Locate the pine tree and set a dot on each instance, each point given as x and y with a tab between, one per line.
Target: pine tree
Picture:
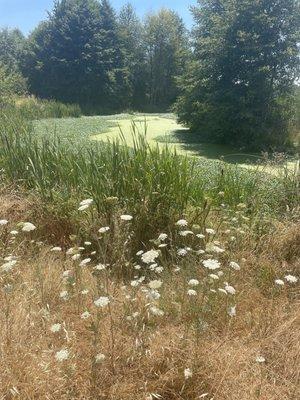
75	55
166	50
132	44
240	84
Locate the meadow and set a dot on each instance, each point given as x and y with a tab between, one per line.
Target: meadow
131	270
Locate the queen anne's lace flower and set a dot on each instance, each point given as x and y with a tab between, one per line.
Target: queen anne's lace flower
62	355
150	256
103	301
211	264
28	227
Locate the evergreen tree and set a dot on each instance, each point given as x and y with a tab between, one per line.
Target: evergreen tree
12	44
238	88
166	51
132	44
74	56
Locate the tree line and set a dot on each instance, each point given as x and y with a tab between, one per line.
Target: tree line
88	54
231	80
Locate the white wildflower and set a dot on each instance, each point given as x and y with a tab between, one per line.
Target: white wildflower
55	328
86	202
99	358
159	270
200	236
182	252
134	283
279	282
8	266
126	217
64	295
100	267
214	276
87	243
85	262
230	289
232	311
186	233
85	315
188	373
234	266
291	278
76	257
28	227
150	256
103	301
211	264
193	282
139	253
14	233
210	231
213	248
156	284
182	222
62	355
162	237
84	291
156	311
3	222
56	249
260	359
192	292
152	294
104	229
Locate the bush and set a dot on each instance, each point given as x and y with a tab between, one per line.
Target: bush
34	108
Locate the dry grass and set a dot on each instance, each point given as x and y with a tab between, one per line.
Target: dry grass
146	357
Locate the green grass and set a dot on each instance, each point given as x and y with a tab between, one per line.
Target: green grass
150	180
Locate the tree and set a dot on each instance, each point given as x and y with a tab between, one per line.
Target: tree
132	45
74	56
238	88
12	84
12	44
166	43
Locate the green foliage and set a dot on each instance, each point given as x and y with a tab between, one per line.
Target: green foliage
74	56
166	44
12	44
239	87
32	108
156	185
12	84
133	50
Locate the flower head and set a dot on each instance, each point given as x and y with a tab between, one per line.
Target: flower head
126	217
55	328
211	264
103	301
193	282
188	373
104	229
62	355
28	227
234	265
156	284
150	256
182	222
291	278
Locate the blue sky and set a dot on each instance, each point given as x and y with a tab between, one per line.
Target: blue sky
25	14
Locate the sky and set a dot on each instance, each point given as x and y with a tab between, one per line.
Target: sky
26	14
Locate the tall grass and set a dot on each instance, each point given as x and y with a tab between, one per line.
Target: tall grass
34	108
156	185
